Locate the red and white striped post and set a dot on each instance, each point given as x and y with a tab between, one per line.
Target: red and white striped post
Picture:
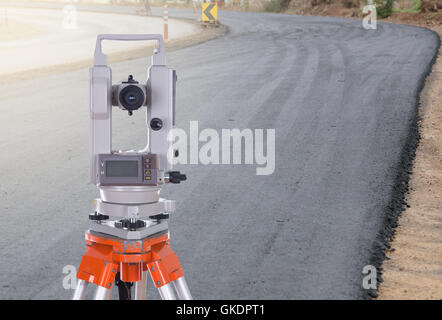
166	23
194	10
6	16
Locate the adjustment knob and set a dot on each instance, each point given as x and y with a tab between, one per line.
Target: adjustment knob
98	216
156	124
176	177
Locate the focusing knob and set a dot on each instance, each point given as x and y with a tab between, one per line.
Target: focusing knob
156	124
176	177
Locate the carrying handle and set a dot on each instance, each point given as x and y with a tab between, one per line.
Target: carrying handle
158	58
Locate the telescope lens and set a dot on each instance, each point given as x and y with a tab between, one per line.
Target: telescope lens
132	97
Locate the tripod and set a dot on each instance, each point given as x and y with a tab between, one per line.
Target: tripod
125	262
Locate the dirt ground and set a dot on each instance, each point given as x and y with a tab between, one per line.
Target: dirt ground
413	269
336	9
423	19
414	266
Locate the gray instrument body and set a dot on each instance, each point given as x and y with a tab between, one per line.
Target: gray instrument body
161	81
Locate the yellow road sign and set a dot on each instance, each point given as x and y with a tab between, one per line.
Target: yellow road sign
209	12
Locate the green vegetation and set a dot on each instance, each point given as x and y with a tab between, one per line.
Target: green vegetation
384	8
415	8
434	15
276	5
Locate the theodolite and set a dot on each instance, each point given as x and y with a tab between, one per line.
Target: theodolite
128	235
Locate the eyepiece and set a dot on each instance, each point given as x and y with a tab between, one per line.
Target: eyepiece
132	97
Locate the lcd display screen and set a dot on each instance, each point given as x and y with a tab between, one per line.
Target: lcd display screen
124	168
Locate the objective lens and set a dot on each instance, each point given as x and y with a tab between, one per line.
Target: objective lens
132	97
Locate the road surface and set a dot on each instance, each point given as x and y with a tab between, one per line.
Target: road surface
45	38
340	98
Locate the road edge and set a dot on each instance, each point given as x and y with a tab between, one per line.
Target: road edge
403	172
206	34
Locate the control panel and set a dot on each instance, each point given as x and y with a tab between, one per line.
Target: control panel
128	169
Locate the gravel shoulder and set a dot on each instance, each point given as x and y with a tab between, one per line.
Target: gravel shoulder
413	269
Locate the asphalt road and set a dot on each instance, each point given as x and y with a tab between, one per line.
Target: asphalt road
340	99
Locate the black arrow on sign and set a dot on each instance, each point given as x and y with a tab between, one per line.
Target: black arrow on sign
207	11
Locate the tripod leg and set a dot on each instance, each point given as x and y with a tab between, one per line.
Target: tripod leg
164	269
109	294
182	289
103	294
141	287
80	291
124	288
166	292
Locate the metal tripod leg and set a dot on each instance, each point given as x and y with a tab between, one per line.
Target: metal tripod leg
80	291
167	273
103	294
141	287
166	292
182	289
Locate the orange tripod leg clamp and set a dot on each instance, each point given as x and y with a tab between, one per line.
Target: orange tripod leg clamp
165	266
97	267
105	257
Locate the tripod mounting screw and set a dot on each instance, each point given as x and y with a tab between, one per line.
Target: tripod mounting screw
130	225
176	177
